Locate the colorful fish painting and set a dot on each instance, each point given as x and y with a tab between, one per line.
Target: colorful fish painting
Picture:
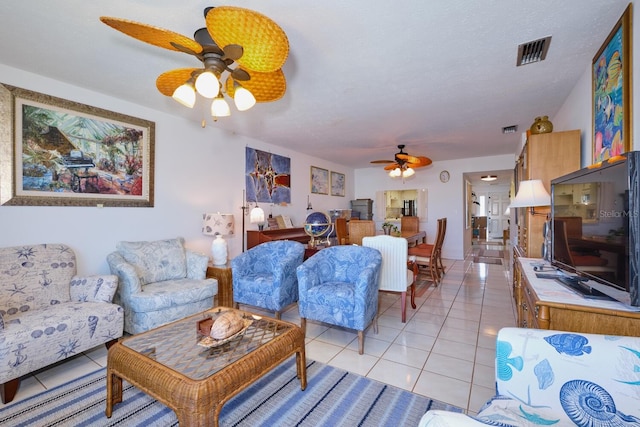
504	371
569	344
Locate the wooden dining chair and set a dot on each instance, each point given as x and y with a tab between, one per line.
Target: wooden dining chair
342	231
359	229
429	256
410	224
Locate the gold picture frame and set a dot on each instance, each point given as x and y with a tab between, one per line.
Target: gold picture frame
337	184
611	92
56	152
319	180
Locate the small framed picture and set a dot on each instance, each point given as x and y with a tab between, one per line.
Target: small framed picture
337	184
319	180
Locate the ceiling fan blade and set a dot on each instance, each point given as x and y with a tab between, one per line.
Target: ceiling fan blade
183	48
423	161
153	35
391	167
408	158
382	161
265	87
168	82
265	44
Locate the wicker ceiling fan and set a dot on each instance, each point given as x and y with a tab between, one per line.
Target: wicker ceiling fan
403	164
242	53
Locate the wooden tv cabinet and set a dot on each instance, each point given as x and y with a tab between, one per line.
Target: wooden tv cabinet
546	304
255	237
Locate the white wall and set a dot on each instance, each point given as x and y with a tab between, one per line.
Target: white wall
196	170
444	199
576	112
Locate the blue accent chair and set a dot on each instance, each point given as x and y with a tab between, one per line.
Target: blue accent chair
159	282
265	275
339	286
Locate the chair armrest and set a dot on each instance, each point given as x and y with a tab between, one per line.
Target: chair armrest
307	278
196	265
128	280
93	288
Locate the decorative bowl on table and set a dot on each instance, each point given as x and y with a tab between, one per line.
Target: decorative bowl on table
218	330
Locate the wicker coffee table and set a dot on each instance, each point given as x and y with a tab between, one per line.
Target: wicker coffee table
168	364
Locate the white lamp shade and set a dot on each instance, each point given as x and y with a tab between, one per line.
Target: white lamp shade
257	215
408	172
217	224
185	95
220	108
395	173
531	193
243	99
207	84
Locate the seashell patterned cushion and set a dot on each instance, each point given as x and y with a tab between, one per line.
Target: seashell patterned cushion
156	261
547	377
227	324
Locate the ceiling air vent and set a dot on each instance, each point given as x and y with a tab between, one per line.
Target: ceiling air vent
510	129
534	51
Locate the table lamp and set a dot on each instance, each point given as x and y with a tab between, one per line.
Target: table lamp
218	225
531	193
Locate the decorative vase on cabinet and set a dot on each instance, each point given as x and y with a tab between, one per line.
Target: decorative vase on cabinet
541	125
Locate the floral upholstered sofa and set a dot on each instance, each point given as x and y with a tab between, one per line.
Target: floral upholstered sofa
547	377
160	281
48	313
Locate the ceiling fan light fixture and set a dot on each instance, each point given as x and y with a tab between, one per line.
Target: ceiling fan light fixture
219	107
488	178
395	173
185	94
207	84
408	172
243	98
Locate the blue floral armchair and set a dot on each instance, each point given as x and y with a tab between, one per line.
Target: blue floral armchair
160	282
339	285
265	275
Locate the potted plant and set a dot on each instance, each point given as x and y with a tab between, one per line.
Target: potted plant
388	227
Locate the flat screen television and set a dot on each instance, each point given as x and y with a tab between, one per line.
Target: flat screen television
595	224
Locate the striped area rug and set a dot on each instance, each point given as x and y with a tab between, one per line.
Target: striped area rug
333	398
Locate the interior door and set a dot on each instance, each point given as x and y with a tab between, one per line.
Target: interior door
496	219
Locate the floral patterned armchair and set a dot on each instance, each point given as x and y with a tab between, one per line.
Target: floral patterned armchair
265	275
48	313
546	377
160	282
339	285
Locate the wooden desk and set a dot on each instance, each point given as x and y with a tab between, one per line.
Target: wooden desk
255	237
225	282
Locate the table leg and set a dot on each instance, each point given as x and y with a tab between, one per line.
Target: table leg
301	368
114	392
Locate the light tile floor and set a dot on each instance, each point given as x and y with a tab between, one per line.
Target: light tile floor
445	350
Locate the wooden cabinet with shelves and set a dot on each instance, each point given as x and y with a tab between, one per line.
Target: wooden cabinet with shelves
545	304
545	156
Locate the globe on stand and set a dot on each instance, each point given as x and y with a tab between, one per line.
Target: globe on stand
316	225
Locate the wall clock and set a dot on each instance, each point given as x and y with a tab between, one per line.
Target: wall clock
444	176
